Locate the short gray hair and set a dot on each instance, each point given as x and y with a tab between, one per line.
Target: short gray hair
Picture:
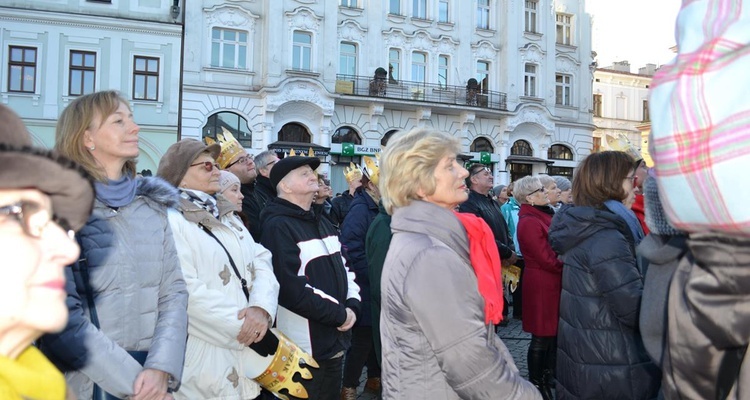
524	186
563	183
263	158
546	180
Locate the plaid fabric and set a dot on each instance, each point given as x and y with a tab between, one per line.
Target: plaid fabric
700	108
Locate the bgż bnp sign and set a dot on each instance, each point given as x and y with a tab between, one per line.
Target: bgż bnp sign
351	149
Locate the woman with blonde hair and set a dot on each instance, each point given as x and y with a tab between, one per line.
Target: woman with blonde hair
432	348
128	318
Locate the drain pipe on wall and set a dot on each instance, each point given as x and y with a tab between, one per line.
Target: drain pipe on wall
176	13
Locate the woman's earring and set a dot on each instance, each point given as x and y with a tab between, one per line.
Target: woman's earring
92	148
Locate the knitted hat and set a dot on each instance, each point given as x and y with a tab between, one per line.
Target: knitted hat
497	189
69	187
226	180
176	161
289	164
562	183
656	218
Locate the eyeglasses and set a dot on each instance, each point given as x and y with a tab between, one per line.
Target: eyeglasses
33	218
241	160
208	165
633	179
480	170
541	189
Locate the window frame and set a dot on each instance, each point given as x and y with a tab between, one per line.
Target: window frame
646	115
530	16
560	152
237	44
146	74
481	144
563	90
520	147
397	4
444	69
564	29
23	65
597	105
352	57
417	65
349	3
483	14
83	69
341	137
397	67
529	80
419	9
299	47
484	83
444	5
236	131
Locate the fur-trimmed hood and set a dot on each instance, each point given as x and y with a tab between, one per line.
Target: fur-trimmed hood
158	190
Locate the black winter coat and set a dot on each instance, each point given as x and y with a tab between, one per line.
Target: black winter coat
340	207
489	210
600	352
263	192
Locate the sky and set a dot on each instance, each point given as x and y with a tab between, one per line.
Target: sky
639	31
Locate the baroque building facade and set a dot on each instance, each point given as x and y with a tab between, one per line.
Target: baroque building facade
55	50
512	79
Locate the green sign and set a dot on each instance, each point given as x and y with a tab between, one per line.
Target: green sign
485	157
347	149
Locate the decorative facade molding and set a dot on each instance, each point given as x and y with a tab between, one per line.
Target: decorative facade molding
566	64
484	50
532	53
231	16
300	90
303	18
352	31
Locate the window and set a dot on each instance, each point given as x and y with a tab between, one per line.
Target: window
387	137
346	134
145	78
646	117
521	148
597	105
530	16
559	152
82	73
418	67
562	90
483	14
228	48
294	132
232	122
481	145
483	75
348	59
529	81
349	3
518	171
561	171
443	71
302	51
394	63
443	11
419	9
22	69
394	7
563	28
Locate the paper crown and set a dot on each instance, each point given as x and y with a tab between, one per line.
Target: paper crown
621	143
230	147
372	169
352	173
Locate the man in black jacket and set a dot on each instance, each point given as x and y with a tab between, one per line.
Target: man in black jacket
318	297
341	204
480	203
264	191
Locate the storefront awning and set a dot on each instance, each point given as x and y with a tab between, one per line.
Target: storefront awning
299	148
527	160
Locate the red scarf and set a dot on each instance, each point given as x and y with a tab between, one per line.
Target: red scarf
486	263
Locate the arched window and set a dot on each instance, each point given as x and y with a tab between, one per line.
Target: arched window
346	134
521	148
559	152
481	145
387	137
294	132
232	122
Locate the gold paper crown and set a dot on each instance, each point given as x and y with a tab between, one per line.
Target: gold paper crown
230	147
292	153
372	169
621	143
352	173
288	360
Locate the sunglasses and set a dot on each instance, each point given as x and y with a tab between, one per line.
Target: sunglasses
33	218
208	165
241	160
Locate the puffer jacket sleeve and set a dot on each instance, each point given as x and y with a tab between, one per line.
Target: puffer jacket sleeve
84	347
213	317
615	272
167	351
265	292
457	335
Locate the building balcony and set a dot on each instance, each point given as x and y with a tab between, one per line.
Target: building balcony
368	86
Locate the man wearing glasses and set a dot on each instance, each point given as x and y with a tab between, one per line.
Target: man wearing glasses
263	193
480	203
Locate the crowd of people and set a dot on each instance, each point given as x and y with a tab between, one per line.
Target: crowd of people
232	276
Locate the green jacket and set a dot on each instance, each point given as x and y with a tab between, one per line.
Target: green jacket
376	247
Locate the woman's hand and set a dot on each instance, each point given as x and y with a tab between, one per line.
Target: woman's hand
151	384
254	326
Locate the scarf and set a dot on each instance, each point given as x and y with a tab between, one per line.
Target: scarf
485	260
546	209
635	226
30	376
117	193
202	200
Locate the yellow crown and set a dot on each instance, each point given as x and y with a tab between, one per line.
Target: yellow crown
292	153
352	173
288	361
230	147
372	169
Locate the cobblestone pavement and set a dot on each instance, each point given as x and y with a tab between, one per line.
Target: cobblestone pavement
512	335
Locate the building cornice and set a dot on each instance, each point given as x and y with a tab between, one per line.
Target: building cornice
93	22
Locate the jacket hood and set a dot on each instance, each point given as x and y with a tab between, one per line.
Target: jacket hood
571	225
660	250
422	217
277	207
158	190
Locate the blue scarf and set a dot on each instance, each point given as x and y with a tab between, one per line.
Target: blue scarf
117	193
629	216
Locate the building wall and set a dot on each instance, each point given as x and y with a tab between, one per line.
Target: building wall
116	33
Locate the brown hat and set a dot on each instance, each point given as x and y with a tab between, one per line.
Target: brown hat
69	187
176	161
289	164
